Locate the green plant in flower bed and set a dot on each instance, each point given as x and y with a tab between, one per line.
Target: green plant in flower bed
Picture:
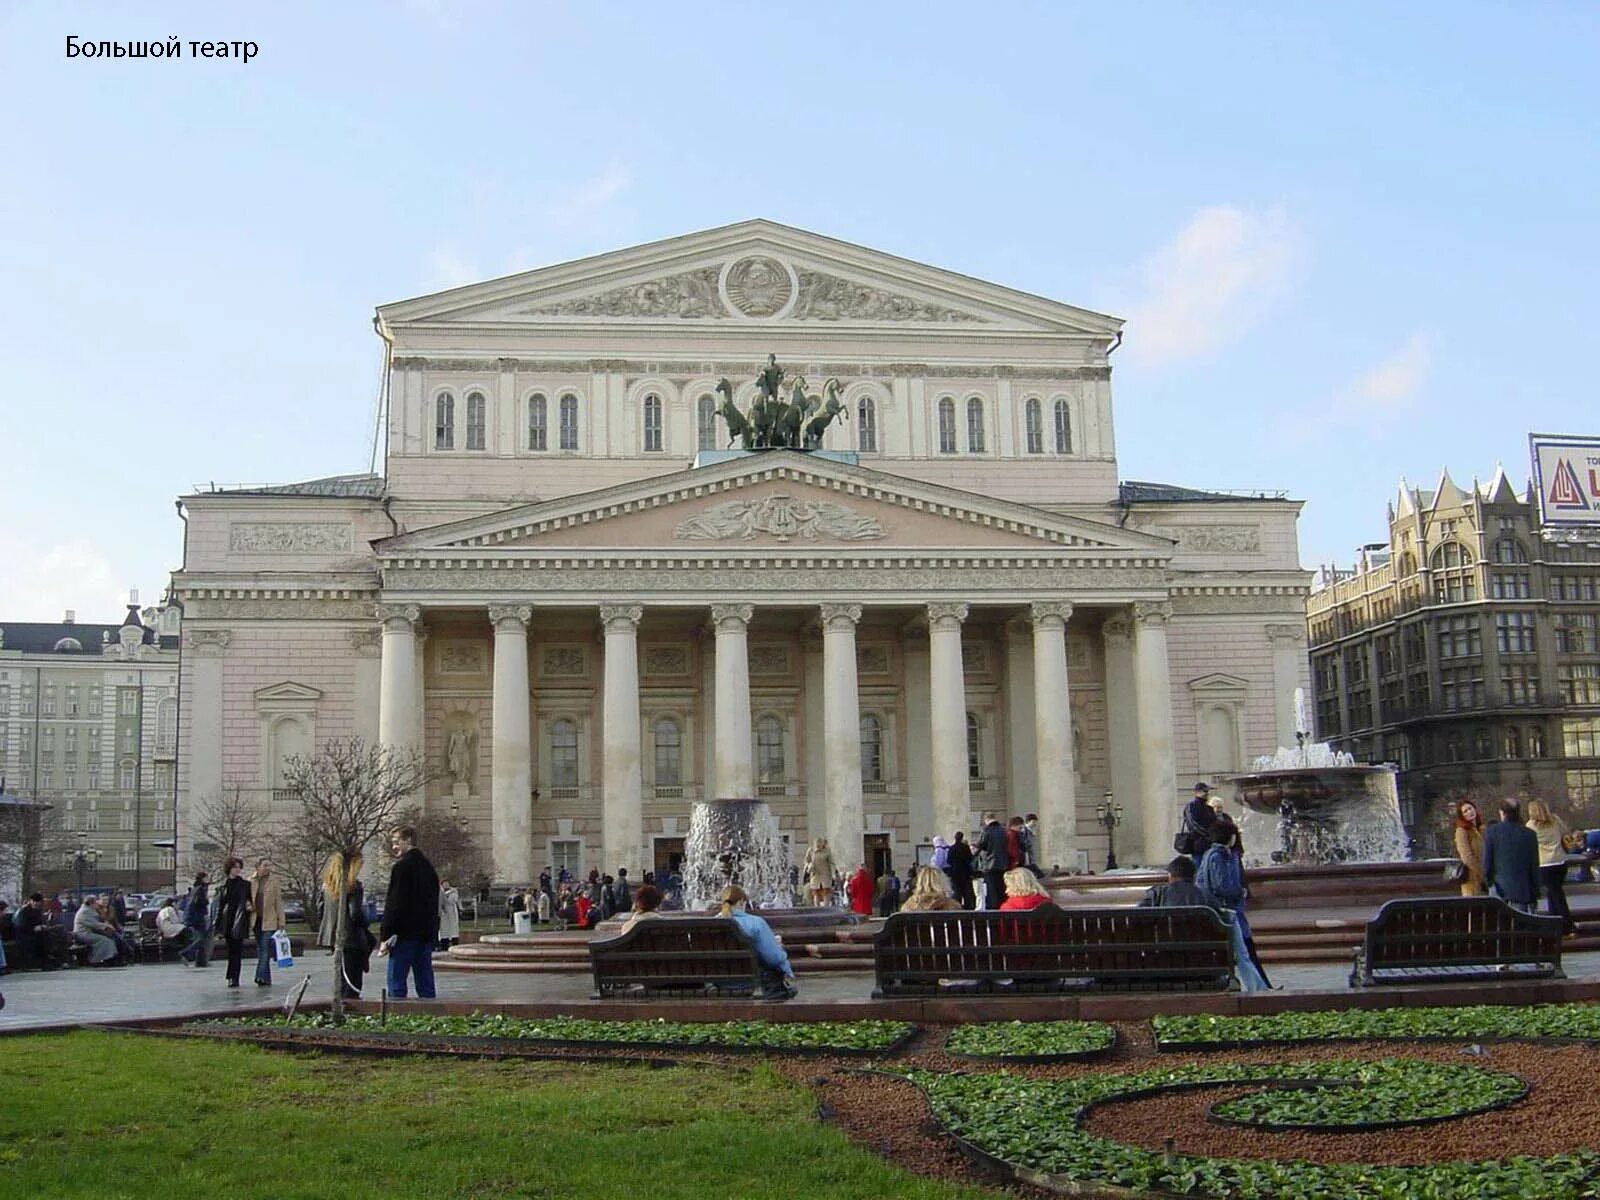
1036	1125
1028	1039
1392	1092
1581	1021
765	1035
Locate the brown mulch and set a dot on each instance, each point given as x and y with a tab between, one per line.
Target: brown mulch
890	1116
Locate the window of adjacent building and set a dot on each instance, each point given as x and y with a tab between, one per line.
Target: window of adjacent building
125	819
125	857
569	422
50	700
1388	656
947	425
1579	682
974	748
1511	585
706	419
1519	683
1459	637
1329	721
538	422
477	420
128	702
444	422
1580	737
652	422
1583	788
1407	564
125	777
91	821
1509	550
1535	741
1326	670
94	702
867	425
1453	578
1482	744
563	754
1577	633
1033	420
769	751
871	749
1355	666
566	854
974	426
94	777
1063	428
1574	587
129	740
72	700
1514	632
1461	688
94	742
47	740
669	753
167	724
69	777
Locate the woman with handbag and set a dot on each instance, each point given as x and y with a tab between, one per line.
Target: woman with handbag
1468	872
359	941
1551	831
233	915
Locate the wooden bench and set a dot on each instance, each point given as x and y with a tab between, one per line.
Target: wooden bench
680	956
1455	940
1049	949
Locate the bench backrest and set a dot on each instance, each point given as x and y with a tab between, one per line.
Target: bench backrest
1458	931
1107	944
664	951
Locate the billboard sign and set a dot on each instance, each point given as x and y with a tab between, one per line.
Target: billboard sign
1566	474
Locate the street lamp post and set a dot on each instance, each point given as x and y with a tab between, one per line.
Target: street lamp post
83	857
1109	814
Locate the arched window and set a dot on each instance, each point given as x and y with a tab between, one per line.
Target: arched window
167	724
947	425
1454	581
769	751
444	422
669	753
1513	742
1449	556
1033	418
563	754
1482	744
538	423
652	422
706	411
1408	564
569	422
1509	550
871	749
974	426
1535	741
867	426
1063	428
477	412
974	748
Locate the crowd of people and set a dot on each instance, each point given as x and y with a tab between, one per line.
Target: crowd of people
1519	857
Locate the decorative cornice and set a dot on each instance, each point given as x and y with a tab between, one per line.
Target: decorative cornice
1152	612
207	643
1044	613
840	616
1286	633
621	618
944	614
731	618
684	372
514	617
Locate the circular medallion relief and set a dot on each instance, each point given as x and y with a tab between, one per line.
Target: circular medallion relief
759	286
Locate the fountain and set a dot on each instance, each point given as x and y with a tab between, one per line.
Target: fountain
735	841
1315	805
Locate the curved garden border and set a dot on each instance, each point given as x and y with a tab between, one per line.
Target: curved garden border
1402	1015
1284	1085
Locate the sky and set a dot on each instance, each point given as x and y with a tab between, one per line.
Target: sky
1352	242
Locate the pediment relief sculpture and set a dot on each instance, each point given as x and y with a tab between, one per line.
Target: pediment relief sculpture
781	516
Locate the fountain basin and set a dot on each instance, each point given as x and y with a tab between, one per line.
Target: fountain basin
1320	814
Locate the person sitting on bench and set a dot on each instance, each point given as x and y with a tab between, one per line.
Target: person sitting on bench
645	902
776	973
170	925
1180	891
90	929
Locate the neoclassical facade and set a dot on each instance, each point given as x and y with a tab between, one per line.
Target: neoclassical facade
586	613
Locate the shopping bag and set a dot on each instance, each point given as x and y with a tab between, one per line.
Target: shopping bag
282	950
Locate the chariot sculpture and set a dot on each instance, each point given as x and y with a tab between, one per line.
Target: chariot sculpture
774	423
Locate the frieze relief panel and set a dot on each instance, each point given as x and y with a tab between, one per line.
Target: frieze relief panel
872	660
769	660
844	370
666	660
293	537
1212	539
563	661
781	516
462	658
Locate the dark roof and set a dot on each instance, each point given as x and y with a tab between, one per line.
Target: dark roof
41	637
333	486
1135	492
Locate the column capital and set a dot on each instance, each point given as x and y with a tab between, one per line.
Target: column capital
621	618
1117	629
366	642
393	616
510	615
944	614
1152	612
207	643
1286	633
840	616
731	618
1045	613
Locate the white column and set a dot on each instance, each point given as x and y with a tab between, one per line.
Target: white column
915	736
1122	736
841	706
511	784
397	676
735	773
419	706
814	751
1289	668
1158	779
952	804
1052	733
622	788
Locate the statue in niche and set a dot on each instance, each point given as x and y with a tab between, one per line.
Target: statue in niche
458	755
774	423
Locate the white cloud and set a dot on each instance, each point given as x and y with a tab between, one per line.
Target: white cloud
1211	282
1376	398
41	583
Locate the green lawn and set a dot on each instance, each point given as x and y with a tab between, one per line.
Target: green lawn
115	1116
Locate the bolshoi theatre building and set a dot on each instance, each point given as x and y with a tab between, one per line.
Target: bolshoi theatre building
587	612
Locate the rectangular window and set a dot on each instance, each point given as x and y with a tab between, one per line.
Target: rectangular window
1577	633
652	423
128	702
1580	683
1511	585
566	854
72	700
49	700
125	819
1519	683
94	702
1388	657
537	433
569	422
1459	638
94	778
1461	688
1513	632
94	741
1580	737
476	413
125	777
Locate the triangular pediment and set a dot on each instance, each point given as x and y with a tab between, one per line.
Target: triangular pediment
288	690
756	273
776	499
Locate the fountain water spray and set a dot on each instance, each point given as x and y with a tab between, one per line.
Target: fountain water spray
735	841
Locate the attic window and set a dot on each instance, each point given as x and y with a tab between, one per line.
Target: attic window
68	645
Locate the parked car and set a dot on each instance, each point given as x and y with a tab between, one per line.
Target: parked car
294	909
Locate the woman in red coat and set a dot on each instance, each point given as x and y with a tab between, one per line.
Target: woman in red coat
861	890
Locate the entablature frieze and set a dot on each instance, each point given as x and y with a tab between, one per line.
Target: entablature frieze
688	370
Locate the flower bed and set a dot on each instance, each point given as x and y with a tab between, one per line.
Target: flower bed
1031	1041
816	1037
1034	1127
1556	1022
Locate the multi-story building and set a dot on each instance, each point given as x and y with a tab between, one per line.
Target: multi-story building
89	725
1465	650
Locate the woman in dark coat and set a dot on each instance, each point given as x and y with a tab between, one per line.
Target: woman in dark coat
958	865
358	940
197	916
233	915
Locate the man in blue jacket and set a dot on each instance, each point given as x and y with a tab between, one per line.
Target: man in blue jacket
1511	859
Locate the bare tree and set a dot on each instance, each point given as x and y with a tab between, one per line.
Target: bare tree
452	849
300	861
32	837
349	794
231	823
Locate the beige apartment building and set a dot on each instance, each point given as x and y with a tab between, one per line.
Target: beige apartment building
586	614
89	726
1466	650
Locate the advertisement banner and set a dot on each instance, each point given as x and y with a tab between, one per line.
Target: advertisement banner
1566	475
